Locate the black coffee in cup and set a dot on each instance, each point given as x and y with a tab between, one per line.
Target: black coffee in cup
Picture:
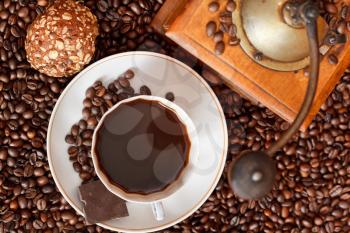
142	146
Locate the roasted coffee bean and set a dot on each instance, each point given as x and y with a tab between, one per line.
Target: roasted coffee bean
92	121
335	191
8	217
86	113
341	28
213	6
218	36
105	27
344	12
332	59
39	171
55	88
145	4
3	154
41	204
224	27
12	152
129	74
125	28
4	78
129	91
135	7
20	108
232	30
37	142
23	12
170	96
28	114
226	18
144	90
82	124
28	170
3	25
211	28
13	205
12	20
231	6
38	225
70	139
67	215
3	55
127	18
12	64
42	2
102	5
22	202
75	130
47	189
85	176
124	82
211	76
15	31
331	8
42	180
4	14
219	48
234	41
258	56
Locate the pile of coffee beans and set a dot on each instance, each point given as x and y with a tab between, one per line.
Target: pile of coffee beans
29	199
124	24
311	194
337	16
226	26
98	99
335	13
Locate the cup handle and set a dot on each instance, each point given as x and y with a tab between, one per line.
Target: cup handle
158	211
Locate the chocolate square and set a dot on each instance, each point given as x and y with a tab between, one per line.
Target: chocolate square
100	204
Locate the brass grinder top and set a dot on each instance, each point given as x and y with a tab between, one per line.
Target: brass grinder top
270	38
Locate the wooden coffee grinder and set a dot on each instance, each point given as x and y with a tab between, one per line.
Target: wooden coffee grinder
277	80
279	40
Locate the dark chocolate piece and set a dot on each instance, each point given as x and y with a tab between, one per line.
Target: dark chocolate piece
100	204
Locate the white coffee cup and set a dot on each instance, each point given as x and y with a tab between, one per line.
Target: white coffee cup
154	198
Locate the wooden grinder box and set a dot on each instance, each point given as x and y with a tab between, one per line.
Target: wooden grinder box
184	22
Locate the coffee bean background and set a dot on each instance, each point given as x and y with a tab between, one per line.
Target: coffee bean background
312	192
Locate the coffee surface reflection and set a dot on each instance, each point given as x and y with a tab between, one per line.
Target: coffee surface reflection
142	146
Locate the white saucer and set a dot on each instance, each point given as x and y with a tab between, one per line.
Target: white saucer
162	74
